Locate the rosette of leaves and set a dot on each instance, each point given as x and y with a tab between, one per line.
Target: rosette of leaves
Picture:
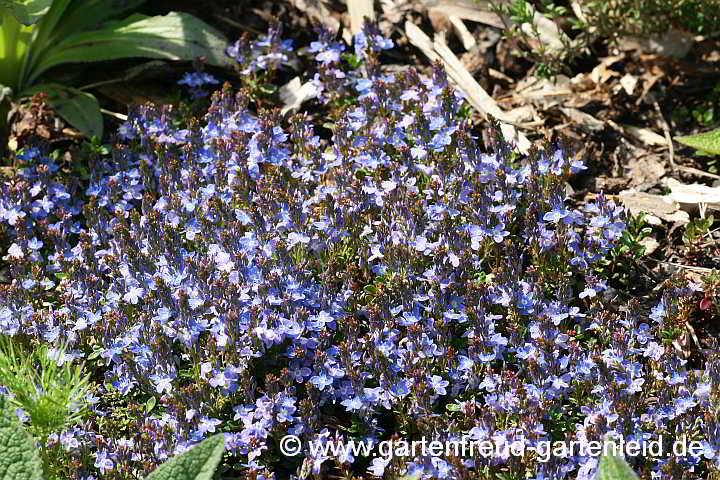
36	36
50	392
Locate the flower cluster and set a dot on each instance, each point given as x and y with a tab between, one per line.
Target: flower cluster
334	80
196	81
262	281
267	53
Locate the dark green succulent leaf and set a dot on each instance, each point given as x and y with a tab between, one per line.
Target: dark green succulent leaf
131	73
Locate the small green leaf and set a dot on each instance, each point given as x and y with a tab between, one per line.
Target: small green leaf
19	459
708	141
27	12
613	467
198	463
95	354
150	404
80	109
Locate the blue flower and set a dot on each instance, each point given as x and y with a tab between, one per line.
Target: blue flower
557	213
103	461
438	384
353	404
133	295
377	467
197	79
208	425
321	381
401	388
163	383
658	312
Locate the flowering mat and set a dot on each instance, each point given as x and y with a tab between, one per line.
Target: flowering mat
375	268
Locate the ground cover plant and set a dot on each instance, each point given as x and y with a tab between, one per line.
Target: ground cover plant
198	463
379	277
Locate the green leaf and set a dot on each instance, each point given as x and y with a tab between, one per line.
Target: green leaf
175	36
27	12
79	109
19	459
150	404
40	39
14	41
84	15
96	353
708	141
198	463
613	467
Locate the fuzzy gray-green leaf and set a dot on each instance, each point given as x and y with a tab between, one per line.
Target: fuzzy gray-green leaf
19	460
612	467
198	463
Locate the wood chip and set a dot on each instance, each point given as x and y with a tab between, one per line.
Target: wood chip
645	135
584	120
318	12
462	32
673	43
544	93
602	72
358	10
499	75
659	207
294	93
650	245
628	83
521	114
693	195
466	11
644	172
700	173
